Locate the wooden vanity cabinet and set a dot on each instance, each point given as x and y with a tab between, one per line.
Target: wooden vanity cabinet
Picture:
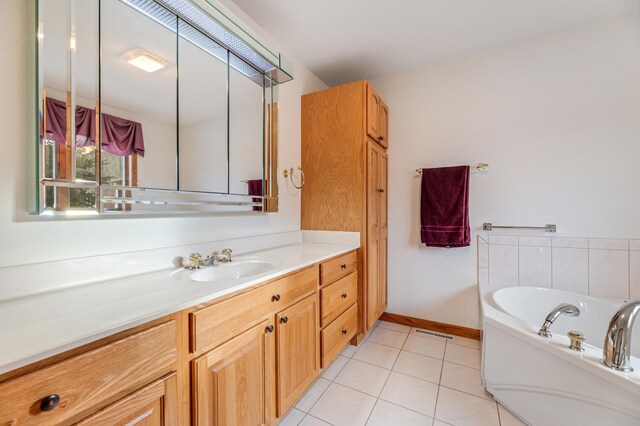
234	384
298	351
344	157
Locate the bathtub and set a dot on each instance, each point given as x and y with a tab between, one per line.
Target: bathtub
540	379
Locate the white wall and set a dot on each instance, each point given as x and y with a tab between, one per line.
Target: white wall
558	120
24	239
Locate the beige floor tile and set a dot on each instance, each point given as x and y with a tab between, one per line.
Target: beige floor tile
429	347
437	422
349	350
462	409
386	414
395	327
312	394
363	377
420	366
340	406
293	418
463	355
336	366
387	337
374	353
465	379
409	392
463	341
507	418
312	421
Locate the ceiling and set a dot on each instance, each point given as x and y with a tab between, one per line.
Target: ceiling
342	41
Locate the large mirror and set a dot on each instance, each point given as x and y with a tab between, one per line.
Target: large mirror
165	118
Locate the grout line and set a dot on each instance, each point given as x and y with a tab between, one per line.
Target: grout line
435	406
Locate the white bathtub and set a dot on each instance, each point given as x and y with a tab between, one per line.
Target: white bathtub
542	380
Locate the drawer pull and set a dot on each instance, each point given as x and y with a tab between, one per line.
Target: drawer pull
344	331
276	298
380	138
269	329
344	295
284	320
343	266
50	402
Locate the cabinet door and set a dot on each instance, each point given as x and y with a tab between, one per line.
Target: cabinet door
234	383
373	233
384	232
298	351
155	404
383	137
373	113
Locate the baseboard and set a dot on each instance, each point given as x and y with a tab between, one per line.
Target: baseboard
440	327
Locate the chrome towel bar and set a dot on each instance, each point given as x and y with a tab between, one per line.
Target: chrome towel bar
547	228
479	167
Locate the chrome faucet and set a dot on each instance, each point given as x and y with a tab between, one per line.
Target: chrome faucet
564	308
617	342
223	257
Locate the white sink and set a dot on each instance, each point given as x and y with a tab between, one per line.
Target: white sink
237	269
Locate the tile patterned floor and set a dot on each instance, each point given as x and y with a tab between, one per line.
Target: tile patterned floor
399	376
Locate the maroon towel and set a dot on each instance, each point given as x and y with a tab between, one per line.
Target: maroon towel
255	188
444	207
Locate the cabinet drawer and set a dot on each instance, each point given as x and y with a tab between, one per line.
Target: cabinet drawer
221	321
337	334
338	268
84	382
337	297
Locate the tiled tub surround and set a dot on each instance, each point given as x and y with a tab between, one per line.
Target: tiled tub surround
399	376
83	300
608	268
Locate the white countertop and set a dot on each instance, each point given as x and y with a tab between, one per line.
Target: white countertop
38	326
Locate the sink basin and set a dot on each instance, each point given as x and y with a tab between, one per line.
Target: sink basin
239	268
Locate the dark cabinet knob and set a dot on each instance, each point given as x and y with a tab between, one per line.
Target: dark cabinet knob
344	331
50	402
343	266
344	295
284	320
380	138
276	298
269	329
381	190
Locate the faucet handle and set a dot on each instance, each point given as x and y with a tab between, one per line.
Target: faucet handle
576	340
195	259
226	252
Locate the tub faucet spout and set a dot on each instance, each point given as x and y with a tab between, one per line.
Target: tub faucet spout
617	342
564	308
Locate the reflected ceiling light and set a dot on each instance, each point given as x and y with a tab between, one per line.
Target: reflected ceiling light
144	60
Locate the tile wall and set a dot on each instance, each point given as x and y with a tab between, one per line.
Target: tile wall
608	268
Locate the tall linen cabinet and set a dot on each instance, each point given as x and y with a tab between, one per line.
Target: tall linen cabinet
344	158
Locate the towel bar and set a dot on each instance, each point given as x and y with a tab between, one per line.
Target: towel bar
547	228
479	167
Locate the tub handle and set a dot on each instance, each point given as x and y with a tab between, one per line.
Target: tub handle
576	340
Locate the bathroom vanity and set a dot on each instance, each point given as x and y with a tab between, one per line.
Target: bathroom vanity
239	354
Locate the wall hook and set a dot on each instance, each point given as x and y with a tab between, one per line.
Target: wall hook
288	174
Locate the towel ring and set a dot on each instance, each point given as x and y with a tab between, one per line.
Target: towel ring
289	174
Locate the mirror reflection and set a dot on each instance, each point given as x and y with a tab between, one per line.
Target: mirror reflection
138	98
170	109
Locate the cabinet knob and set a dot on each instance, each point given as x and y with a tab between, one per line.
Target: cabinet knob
343	266
284	320
344	331
380	138
380	190
276	298
269	329
344	295
50	402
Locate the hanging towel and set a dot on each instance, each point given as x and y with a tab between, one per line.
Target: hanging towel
444	207
255	188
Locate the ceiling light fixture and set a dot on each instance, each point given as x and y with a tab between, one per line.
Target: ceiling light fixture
144	60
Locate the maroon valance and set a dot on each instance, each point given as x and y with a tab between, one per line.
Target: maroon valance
119	136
